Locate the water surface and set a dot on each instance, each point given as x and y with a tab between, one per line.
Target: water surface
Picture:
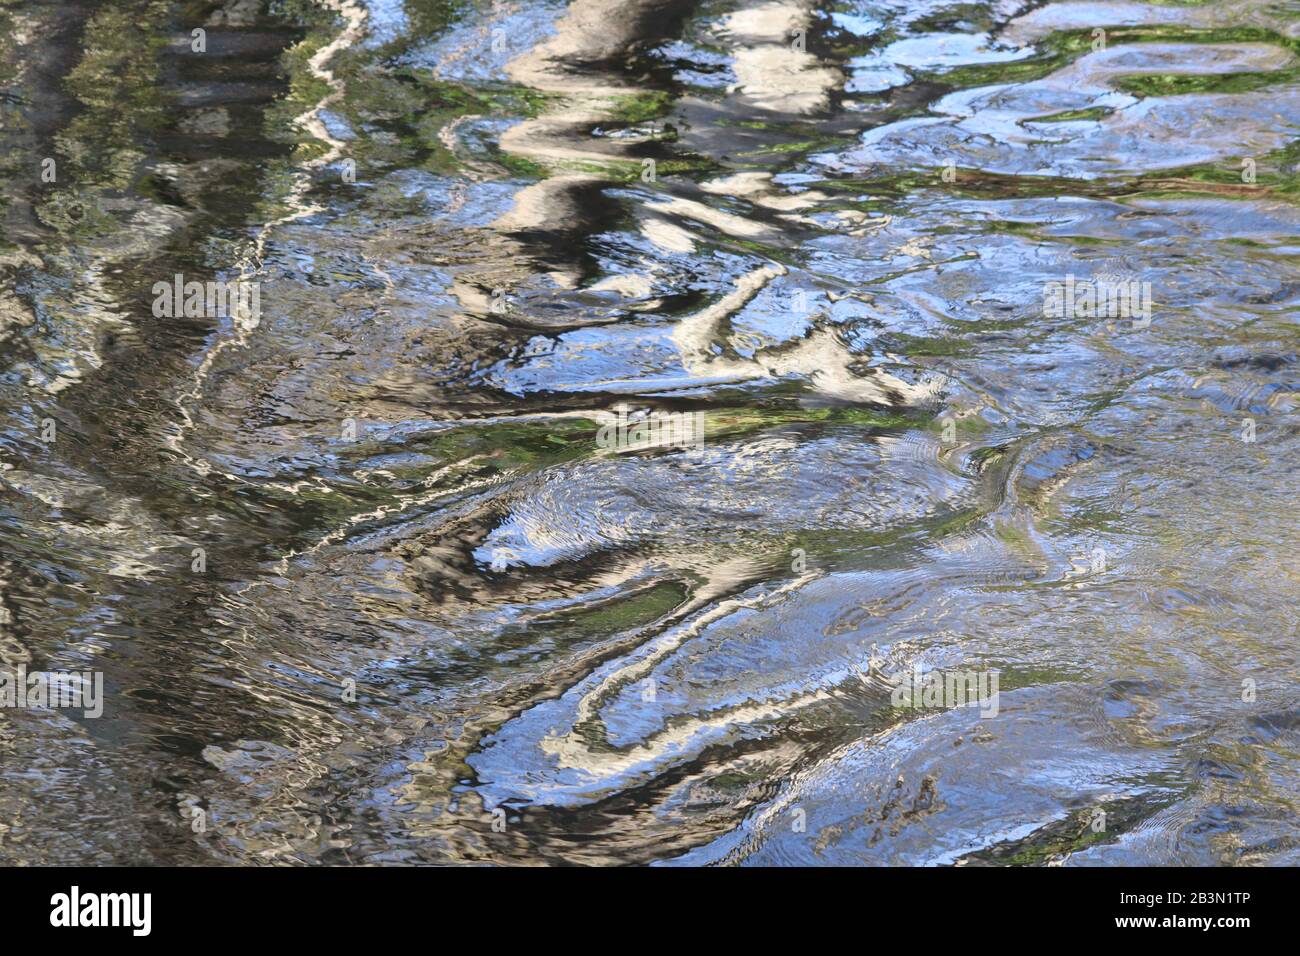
476	227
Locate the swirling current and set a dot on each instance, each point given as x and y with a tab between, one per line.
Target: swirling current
631	422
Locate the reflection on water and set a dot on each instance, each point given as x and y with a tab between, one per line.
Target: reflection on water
363	586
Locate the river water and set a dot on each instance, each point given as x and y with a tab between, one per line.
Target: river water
365	585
